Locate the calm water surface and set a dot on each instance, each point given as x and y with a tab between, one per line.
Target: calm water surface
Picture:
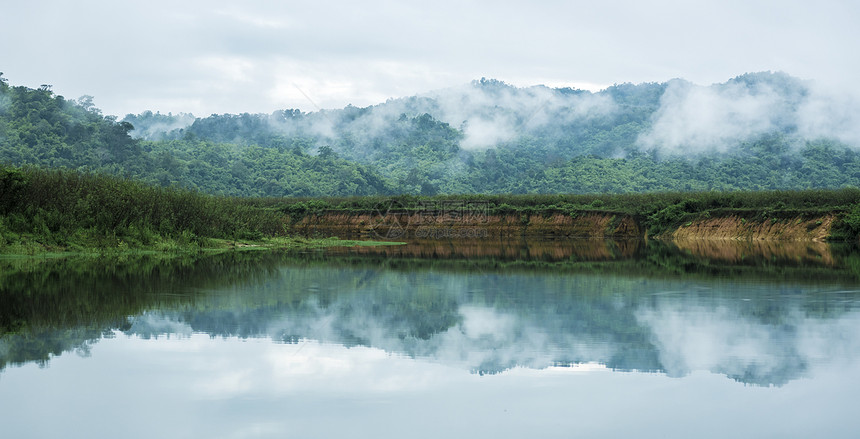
597	339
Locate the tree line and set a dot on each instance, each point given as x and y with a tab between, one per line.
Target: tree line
380	150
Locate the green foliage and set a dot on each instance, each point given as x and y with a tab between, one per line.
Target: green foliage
848	225
658	212
382	150
57	208
672	215
43	129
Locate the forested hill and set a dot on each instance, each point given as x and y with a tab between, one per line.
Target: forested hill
38	127
756	131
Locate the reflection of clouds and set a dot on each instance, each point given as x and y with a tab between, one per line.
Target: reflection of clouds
237	368
490	340
153	325
234	368
494	323
485	323
691	336
687	334
484	338
830	340
190	387
311	365
4	348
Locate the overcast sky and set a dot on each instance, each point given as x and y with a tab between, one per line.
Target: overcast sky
219	56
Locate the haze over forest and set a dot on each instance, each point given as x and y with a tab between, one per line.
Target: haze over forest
765	130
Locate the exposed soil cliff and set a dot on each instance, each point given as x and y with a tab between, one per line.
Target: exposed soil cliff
798	228
410	226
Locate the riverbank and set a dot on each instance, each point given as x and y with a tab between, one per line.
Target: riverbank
60	211
778	215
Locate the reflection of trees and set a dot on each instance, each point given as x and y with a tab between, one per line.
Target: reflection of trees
484	314
491	322
532	320
48	306
39	346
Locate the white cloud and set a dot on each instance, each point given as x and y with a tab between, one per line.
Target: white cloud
831	113
137	56
695	118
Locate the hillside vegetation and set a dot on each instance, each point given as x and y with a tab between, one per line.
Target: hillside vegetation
657	213
64	210
59	210
760	131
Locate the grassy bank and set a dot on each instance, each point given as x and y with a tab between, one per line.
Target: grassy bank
60	211
56	211
657	213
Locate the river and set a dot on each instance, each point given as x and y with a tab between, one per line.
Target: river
438	338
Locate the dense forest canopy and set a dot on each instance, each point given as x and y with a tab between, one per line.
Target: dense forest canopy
756	131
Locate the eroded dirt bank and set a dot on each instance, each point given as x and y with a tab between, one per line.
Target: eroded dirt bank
732	227
592	225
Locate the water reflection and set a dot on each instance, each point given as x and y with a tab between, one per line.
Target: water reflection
741	342
655	309
491	323
738	251
507	249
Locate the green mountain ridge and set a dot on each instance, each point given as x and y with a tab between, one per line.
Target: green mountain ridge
758	131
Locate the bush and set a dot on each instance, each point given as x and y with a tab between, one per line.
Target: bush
67	208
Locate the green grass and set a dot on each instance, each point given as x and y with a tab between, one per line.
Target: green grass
66	212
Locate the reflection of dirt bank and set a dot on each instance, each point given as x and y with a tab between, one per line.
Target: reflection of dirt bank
736	251
415	225
540	250
725	250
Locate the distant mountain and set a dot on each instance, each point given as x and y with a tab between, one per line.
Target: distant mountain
489	113
40	128
756	131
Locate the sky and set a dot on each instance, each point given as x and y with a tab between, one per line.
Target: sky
217	56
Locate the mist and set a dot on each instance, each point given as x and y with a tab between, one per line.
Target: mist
486	112
4	105
699	118
489	136
683	119
720	118
490	112
830	113
157	126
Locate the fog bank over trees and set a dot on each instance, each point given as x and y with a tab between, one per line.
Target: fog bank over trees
756	131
